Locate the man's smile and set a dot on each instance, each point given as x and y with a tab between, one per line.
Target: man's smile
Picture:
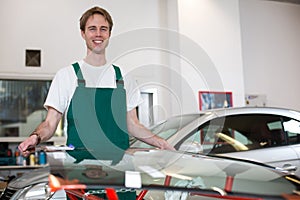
98	41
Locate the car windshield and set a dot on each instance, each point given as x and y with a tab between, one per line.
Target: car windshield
167	128
168	172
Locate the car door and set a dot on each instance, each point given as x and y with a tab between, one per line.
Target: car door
258	137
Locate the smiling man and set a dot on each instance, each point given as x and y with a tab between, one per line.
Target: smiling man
94	98
96	30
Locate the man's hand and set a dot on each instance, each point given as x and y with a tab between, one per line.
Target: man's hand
136	129
163	144
28	145
42	133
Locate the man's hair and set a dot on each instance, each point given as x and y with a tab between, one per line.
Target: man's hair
93	11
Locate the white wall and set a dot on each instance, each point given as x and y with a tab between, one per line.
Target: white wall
215	26
53	27
271	51
191	56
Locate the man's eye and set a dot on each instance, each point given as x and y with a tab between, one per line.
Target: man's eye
104	29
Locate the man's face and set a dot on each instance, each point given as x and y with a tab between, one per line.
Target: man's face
96	34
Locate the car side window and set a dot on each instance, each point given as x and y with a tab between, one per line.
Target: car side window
245	132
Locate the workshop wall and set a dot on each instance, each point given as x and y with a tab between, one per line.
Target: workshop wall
271	49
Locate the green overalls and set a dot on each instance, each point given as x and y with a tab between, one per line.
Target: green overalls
96	119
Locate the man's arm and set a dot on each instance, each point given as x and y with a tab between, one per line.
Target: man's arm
43	132
136	129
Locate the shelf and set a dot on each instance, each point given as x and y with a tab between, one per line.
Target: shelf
19	167
55	140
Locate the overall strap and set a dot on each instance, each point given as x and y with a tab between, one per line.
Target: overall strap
119	78
80	79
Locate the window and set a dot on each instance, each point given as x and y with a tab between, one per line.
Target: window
245	132
21	106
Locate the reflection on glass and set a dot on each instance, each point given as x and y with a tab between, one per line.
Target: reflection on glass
292	126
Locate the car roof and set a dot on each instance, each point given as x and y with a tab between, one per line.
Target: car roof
251	110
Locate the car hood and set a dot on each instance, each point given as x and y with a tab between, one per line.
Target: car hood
33	177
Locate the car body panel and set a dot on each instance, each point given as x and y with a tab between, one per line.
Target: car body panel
280	156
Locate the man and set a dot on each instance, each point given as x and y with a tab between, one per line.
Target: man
98	111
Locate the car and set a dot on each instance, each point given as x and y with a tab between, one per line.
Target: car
155	174
263	134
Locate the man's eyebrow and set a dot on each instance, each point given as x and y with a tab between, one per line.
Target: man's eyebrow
93	26
104	27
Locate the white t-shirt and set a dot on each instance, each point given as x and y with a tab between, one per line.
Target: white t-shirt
65	82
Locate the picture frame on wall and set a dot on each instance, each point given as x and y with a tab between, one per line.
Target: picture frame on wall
214	99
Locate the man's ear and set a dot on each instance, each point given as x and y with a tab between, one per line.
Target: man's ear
82	34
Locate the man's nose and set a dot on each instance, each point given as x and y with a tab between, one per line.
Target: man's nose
98	32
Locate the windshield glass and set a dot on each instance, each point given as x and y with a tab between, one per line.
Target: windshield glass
167	128
167	171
